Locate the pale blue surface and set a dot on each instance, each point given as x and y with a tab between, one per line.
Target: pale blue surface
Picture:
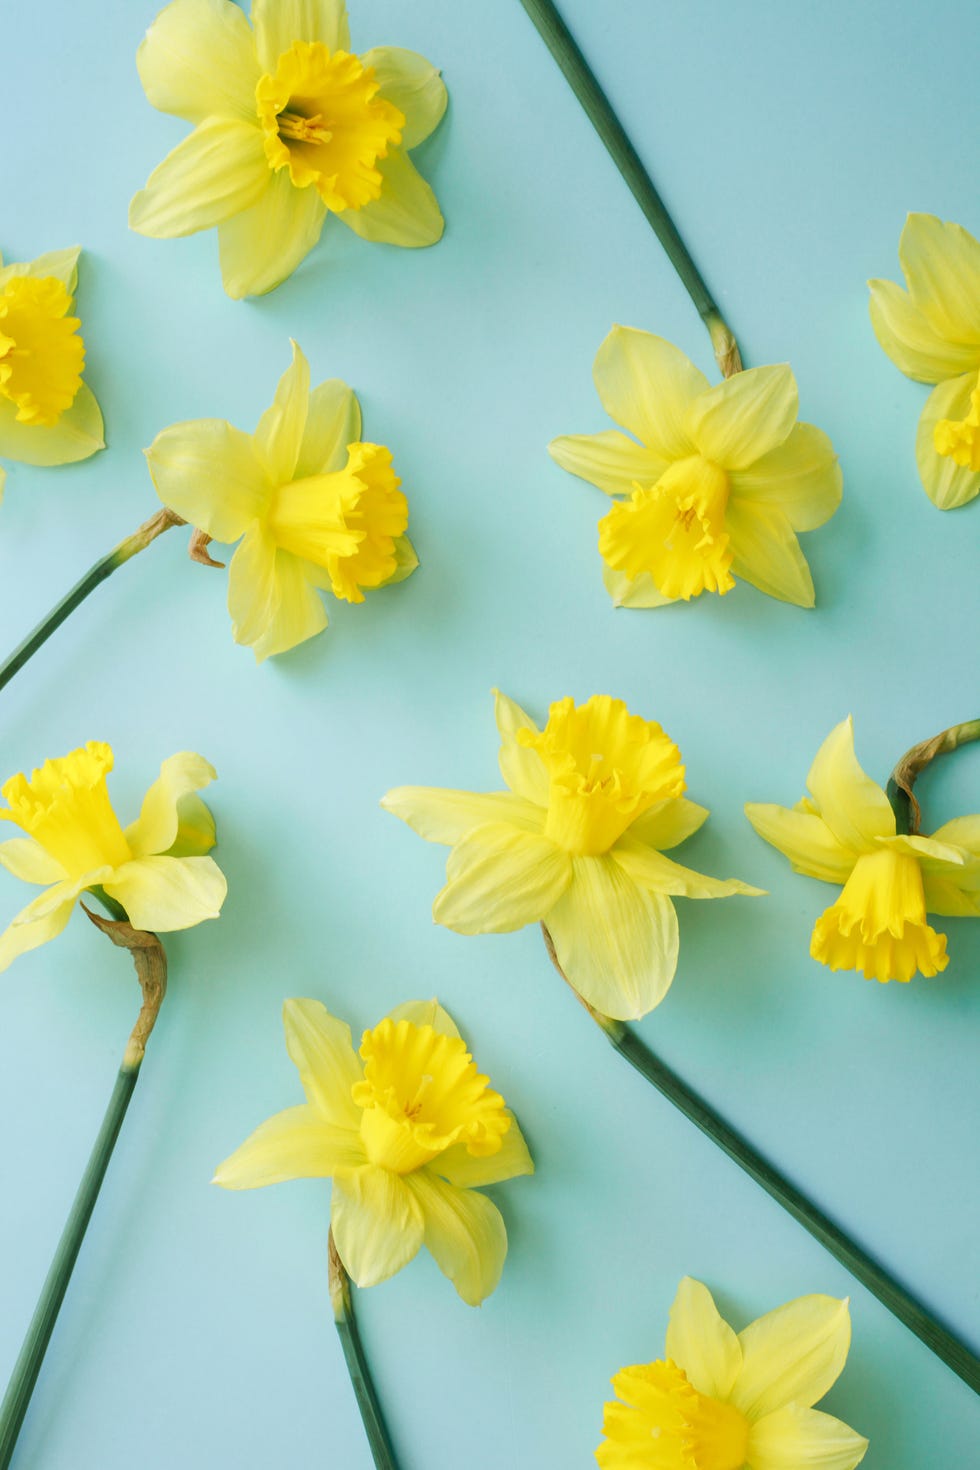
790	141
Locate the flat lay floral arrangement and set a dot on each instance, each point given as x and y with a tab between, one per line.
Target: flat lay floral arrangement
368	456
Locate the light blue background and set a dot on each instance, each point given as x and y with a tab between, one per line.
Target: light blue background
790	140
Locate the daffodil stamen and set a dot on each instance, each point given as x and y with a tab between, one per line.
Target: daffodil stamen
295	128
41	352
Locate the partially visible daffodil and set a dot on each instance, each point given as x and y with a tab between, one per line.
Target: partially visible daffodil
715	483
48	415
315	508
288	127
407	1129
155	869
576	843
931	332
718	1400
845	832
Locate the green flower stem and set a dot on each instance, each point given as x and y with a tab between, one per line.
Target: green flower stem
943	1342
908	813
578	74
28	1365
357	1366
120	554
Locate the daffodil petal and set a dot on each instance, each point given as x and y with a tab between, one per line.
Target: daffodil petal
616	943
795	1438
961	832
332	423
647	384
167	893
766	553
446	816
800	477
253	586
668	823
219	169
299	612
280	430
521	767
407	212
467	1171
172	819
198	60
278	23
62	264
792	1355
738	421
209	473
29	861
377	1223
949	899
627	591
946	483
805	839
610	460
259	247
941	261
658	874
425	1013
42	919
295	1144
464	1232
854	807
700	1341
909	338
77	435
413	85
932	856
322	1051
406	562
499	879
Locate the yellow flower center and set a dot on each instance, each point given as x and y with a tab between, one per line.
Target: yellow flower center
674	530
346	522
605	767
324	121
959	439
41	353
878	925
665	1424
422	1093
65	806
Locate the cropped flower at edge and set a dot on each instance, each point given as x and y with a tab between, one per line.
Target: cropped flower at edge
718	1400
288	127
314	506
48	415
931	332
408	1130
576	843
717	486
155	868
845	832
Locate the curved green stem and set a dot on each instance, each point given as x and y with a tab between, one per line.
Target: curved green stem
28	1365
141	538
863	1267
357	1365
596	104
908	813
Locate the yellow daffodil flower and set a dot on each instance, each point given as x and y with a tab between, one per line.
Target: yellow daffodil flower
721	479
576	843
718	1400
407	1129
288	126
845	832
931	332
315	508
155	868
48	416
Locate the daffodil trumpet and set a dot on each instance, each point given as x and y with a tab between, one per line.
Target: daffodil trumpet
368	1403
863	1267
140	539
153	874
597	107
